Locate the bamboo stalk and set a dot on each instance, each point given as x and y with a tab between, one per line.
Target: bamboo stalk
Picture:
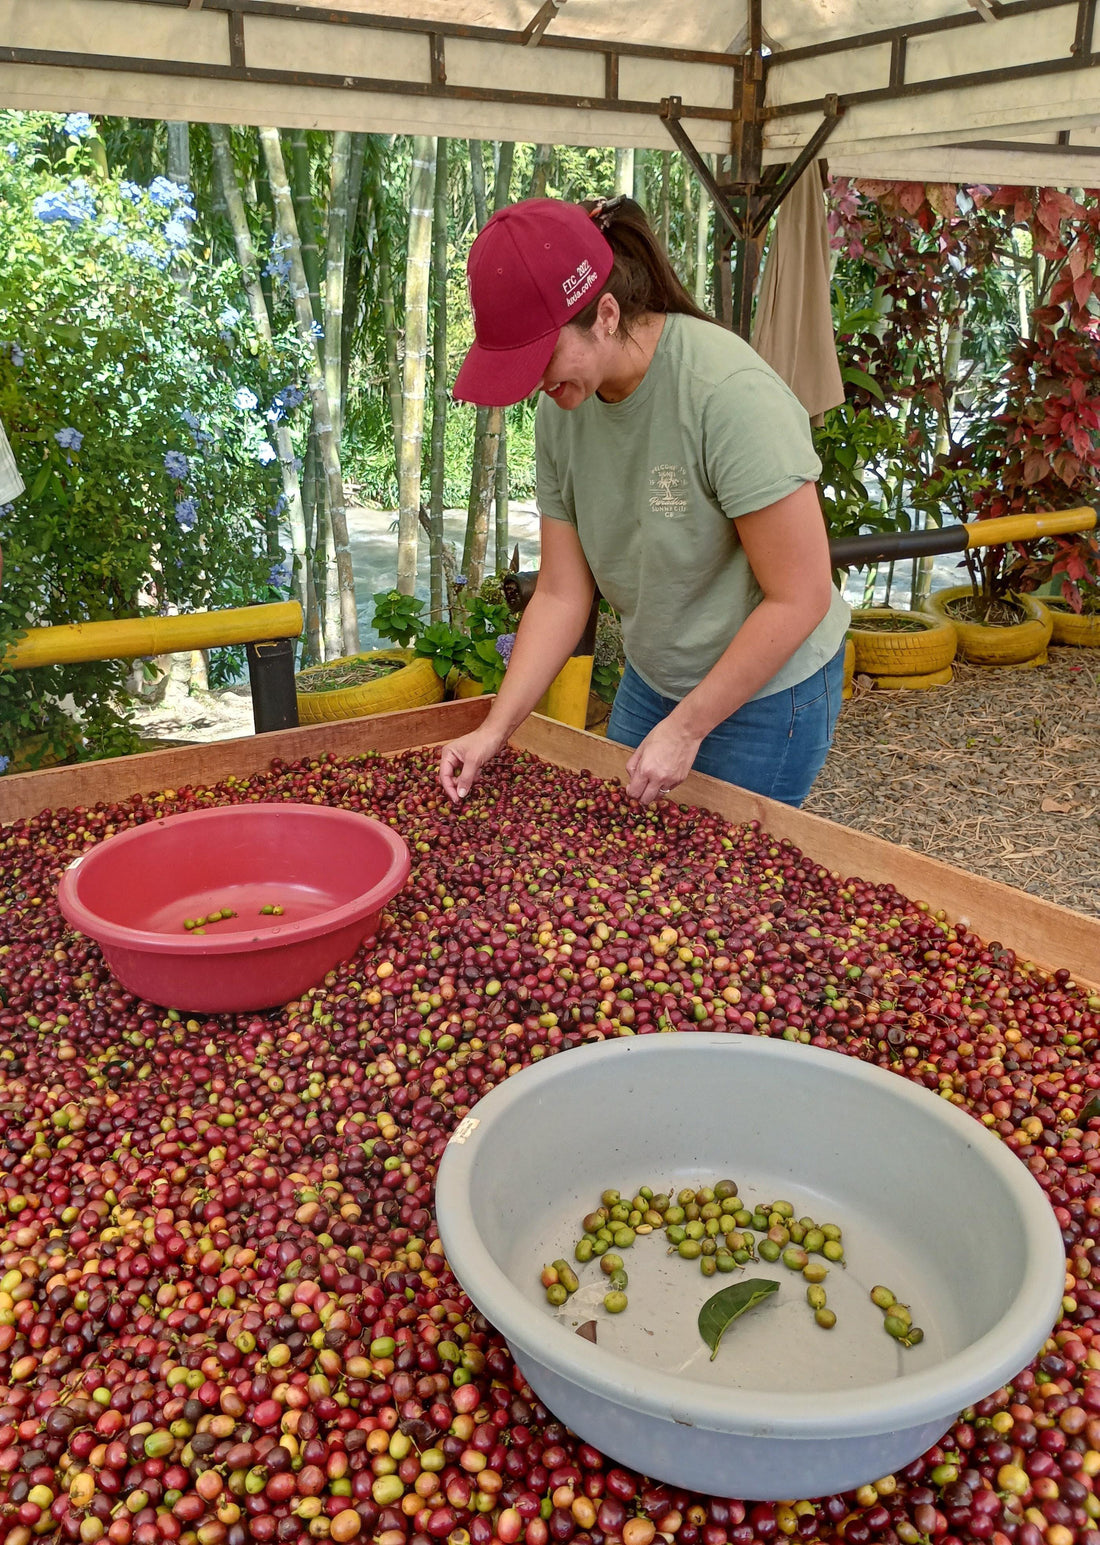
489	428
500	500
389	326
417	272
301	182
702	244
329	450
440	394
226	177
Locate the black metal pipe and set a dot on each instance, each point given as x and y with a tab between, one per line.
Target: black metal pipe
855	551
271	681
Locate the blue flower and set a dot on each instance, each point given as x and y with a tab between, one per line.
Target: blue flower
229	317
5	762
175	464
17	355
316	330
83	197
279	506
69	439
460	581
176	233
131	191
265	453
190	419
12	149
279	577
166	193
50	207
145	252
79	125
505	644
277	268
186	513
245	399
5	510
109	226
285	401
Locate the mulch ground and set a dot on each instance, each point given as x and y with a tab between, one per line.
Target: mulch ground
998	773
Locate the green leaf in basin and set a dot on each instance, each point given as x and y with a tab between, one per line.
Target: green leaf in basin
720	1311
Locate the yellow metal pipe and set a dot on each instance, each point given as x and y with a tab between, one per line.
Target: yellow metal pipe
1026	528
133	637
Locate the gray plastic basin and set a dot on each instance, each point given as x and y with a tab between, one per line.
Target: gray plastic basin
929	1202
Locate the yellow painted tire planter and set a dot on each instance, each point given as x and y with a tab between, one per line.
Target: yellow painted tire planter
466	686
415	685
915	683
1070	627
904	653
1018	644
849	668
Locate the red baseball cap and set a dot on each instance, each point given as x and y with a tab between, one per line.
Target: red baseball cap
533	267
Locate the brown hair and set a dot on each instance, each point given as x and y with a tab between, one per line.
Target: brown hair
642	279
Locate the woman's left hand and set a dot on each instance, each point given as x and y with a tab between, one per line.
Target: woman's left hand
662	761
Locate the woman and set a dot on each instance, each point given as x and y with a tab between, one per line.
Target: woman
675	471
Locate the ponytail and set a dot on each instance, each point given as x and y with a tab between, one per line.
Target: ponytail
642	279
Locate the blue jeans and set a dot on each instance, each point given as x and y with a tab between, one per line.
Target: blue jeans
773	745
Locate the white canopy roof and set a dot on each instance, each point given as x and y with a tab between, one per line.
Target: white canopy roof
933	90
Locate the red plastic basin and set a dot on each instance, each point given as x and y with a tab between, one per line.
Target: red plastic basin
331	871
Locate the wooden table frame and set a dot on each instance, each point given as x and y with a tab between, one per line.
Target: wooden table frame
1038	930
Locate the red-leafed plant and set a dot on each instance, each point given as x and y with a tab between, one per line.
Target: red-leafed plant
1042	450
987	438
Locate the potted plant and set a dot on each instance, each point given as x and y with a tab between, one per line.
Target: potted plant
1064	573
996	622
378	680
461	653
869	458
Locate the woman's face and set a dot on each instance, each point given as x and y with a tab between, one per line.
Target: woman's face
577	366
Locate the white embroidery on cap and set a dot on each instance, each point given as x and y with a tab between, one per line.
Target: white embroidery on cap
579	282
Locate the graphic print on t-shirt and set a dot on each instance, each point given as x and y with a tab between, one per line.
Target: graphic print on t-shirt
668	491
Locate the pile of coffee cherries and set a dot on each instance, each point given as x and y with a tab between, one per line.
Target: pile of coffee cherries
225	1314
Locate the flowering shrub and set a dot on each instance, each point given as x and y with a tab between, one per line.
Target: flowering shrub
477	643
140	417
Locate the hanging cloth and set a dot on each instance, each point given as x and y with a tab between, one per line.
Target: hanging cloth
793	329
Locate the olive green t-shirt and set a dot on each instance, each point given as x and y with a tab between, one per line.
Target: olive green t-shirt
654	484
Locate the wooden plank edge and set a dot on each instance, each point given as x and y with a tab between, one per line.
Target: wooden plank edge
1056	936
24	795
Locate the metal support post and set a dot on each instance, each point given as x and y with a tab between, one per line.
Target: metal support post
271	679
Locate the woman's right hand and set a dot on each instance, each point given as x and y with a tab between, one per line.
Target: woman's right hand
461	760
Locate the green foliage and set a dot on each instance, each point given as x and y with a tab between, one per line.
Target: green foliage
1001	417
488	619
135	408
485	663
397	617
609	658
446	646
469	648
